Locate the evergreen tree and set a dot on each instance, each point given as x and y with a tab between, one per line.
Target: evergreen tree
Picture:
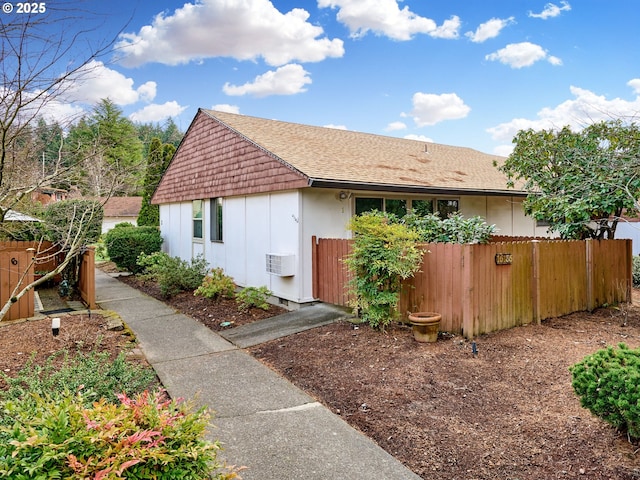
110	151
157	162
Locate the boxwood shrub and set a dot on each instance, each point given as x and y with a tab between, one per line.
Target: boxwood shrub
125	244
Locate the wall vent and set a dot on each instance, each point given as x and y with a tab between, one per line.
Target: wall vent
281	264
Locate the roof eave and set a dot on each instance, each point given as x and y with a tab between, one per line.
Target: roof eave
418	189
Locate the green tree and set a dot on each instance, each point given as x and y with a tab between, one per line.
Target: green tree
108	146
580	182
157	162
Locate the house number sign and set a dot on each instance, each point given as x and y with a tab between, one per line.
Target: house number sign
504	258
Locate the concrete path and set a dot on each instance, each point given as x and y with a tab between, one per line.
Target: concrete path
264	422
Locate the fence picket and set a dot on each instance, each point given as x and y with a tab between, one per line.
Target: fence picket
475	295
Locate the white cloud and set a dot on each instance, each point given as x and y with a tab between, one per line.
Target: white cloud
337	127
95	81
429	108
287	80
586	107
63	113
489	29
524	54
243	30
503	150
394	126
156	112
225	107
635	84
384	17
420	138
551	10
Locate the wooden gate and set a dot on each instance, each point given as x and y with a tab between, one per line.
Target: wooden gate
12	273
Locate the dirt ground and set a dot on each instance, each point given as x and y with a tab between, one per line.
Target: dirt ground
20	340
509	413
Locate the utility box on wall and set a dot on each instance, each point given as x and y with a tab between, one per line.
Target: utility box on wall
281	264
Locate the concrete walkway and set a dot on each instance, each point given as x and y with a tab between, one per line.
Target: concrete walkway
264	422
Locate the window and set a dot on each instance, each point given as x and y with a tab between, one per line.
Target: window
447	207
368	205
422	207
216	219
196	207
400	206
396	206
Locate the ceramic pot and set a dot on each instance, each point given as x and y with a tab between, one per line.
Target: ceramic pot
425	326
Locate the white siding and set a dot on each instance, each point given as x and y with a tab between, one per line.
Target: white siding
109	222
285	222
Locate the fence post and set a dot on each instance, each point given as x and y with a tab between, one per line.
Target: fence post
314	266
468	305
590	274
535	281
629	272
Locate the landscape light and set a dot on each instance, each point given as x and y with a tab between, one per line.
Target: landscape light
55	326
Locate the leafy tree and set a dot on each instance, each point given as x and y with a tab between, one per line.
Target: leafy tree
157	162
580	182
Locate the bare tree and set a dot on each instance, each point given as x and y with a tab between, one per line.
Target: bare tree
44	55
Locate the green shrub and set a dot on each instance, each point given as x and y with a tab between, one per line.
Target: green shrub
94	373
173	274
216	284
253	297
71	218
636	271
125	244
453	229
384	253
146	437
608	384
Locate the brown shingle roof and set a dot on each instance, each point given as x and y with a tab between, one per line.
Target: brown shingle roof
121	206
323	156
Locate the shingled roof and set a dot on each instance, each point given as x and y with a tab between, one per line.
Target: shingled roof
310	156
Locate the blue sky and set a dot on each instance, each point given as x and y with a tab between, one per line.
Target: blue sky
458	72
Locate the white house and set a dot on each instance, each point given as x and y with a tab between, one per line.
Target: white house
119	210
249	193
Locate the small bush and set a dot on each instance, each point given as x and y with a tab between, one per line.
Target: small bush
216	285
125	244
608	384
173	274
94	373
636	271
384	253
253	297
453	229
146	437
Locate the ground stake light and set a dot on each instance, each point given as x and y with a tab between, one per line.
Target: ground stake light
55	326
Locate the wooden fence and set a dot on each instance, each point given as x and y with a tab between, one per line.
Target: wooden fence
484	288
15	258
87	278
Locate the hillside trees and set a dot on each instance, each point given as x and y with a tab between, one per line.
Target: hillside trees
579	182
106	147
